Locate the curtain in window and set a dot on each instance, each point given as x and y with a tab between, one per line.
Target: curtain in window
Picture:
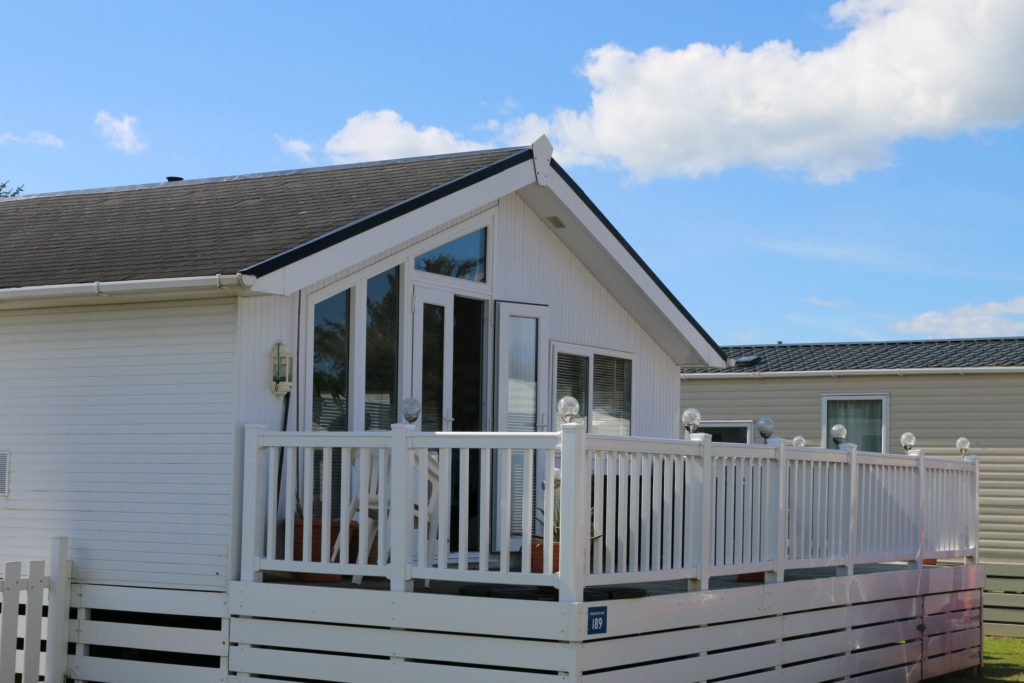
613	381
862	419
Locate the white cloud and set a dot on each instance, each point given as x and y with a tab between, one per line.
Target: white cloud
840	303
992	319
384	134
35	137
299	148
120	133
907	68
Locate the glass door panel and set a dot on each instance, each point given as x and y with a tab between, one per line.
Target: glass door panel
432	357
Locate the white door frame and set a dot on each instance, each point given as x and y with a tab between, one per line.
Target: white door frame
423	294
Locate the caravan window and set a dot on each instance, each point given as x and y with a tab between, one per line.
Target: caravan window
603	385
331	344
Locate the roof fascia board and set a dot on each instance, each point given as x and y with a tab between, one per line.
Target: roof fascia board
867	372
89	292
674	319
357	242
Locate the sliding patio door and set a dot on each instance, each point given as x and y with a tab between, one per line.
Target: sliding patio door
521	363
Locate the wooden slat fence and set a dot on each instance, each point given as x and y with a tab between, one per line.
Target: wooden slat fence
31	588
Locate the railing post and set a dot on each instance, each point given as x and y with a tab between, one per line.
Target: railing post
781	513
704	474
974	540
852	495
401	508
250	504
919	556
574	517
57	612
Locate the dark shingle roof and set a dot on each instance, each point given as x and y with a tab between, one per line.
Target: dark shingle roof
894	355
206	227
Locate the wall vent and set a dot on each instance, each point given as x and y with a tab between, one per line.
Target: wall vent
5	472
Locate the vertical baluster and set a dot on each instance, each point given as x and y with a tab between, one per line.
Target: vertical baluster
667	526
527	516
485	509
384	473
444	505
423	528
549	519
622	536
363	496
289	504
645	511
307	504
505	507
634	511
610	506
463	509
753	528
273	490
600	477
325	504
657	513
683	493
344	507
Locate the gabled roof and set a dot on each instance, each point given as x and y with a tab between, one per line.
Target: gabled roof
275	233
1005	352
205	227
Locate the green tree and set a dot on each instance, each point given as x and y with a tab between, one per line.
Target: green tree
4	192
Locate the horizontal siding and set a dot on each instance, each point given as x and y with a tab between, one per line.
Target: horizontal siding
986	408
120	422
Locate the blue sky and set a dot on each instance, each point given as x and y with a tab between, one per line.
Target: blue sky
796	171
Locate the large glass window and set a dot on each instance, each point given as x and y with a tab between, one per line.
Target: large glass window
331	334
382	322
603	385
863	417
465	257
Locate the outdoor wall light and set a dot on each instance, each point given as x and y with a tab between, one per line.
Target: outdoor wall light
799	441
908	440
838	433
568	409
765	427
962	444
410	410
282	369
691	420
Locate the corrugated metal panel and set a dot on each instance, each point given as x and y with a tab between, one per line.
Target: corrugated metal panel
122	417
988	409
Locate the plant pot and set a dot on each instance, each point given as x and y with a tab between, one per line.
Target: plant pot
537	557
931	561
317	525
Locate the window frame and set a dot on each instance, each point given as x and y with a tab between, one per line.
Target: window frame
855	396
590	351
749	424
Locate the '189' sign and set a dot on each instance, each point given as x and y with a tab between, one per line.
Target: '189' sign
597	620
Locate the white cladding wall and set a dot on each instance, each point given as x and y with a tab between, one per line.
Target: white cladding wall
534	266
120	420
986	408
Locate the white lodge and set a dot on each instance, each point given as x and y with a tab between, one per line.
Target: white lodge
140	419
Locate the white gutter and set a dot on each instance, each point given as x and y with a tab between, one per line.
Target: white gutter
123	287
853	373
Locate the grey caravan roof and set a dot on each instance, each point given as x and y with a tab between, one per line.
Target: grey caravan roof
892	355
205	227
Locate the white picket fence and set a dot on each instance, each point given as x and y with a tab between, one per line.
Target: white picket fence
628	510
35	590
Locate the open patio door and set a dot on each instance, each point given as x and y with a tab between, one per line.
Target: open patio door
521	385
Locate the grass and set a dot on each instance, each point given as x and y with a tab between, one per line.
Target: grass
1004	661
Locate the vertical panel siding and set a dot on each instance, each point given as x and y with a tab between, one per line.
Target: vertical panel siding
986	408
120	423
534	266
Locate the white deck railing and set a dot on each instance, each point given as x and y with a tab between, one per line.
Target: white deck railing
629	510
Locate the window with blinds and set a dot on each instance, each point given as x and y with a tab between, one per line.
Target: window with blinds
603	385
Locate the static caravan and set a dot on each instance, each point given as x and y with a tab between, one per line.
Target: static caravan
939	390
418	420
